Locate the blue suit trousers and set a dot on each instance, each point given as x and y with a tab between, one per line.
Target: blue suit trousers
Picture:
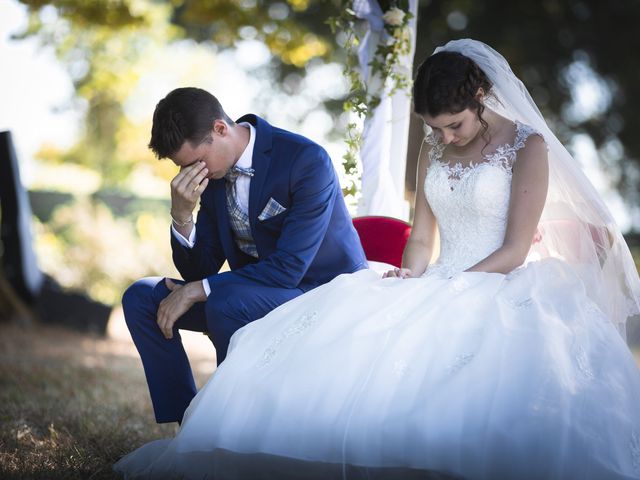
229	307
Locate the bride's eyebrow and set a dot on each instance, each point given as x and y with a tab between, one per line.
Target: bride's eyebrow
446	126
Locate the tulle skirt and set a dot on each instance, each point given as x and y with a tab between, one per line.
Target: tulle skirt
479	376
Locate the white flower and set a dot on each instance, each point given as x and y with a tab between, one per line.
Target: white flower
394	17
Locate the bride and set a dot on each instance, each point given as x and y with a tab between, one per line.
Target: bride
505	358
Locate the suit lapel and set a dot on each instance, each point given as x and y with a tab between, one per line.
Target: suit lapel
260	163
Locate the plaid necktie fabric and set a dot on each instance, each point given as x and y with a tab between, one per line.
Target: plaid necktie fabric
238	218
235	171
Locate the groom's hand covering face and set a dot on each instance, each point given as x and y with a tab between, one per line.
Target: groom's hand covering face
186	188
217	151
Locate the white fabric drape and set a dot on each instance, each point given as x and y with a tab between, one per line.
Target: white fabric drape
385	134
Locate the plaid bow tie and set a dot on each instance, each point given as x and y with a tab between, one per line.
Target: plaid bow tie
235	171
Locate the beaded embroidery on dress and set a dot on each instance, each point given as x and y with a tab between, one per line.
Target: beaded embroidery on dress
470	202
469	374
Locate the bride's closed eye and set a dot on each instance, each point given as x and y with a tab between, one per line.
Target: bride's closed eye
451	127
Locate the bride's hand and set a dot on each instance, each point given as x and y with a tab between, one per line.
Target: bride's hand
398	273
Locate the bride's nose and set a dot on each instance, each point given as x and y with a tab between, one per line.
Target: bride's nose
447	138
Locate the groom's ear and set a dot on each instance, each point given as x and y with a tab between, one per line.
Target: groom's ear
219	127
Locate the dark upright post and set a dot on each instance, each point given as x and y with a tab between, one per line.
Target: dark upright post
19	263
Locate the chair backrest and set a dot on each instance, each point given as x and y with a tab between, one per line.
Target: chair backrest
383	238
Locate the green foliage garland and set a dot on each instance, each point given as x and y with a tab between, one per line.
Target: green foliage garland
385	68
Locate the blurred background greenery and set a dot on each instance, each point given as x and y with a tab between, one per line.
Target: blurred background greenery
100	199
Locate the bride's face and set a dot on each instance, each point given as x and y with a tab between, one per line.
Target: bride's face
457	129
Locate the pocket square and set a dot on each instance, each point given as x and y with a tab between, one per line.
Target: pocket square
272	209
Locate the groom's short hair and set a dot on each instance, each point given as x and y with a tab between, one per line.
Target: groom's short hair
185	114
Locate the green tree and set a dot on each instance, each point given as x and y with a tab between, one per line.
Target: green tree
100	42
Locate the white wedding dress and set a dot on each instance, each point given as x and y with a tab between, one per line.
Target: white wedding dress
472	375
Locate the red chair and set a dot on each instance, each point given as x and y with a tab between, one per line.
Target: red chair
383	238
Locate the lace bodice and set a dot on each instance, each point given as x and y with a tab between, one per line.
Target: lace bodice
471	202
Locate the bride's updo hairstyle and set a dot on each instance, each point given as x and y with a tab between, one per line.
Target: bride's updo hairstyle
447	82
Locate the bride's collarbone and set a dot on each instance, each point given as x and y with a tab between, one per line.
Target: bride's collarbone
480	153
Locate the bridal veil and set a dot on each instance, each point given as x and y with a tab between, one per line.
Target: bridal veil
575	225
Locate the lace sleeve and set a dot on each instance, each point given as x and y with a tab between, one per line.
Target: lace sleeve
506	154
523	132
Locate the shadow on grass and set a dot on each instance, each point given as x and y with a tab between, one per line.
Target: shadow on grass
69	406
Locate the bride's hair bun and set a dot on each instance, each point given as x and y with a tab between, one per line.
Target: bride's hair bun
448	82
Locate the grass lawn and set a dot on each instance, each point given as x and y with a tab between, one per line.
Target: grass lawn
71	404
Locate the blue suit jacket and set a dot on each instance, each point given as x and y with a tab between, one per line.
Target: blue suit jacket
308	244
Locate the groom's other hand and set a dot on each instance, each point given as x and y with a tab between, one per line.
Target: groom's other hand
181	299
398	273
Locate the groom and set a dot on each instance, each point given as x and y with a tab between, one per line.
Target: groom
270	205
